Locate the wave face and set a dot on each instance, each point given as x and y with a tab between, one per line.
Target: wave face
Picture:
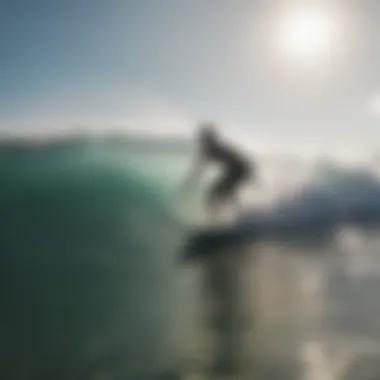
86	251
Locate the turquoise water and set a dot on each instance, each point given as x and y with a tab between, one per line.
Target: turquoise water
87	251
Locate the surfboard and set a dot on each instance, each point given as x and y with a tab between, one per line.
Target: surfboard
205	242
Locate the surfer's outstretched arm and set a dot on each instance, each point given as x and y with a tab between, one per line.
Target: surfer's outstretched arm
195	173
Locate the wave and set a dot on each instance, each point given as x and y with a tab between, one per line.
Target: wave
88	249
333	196
86	253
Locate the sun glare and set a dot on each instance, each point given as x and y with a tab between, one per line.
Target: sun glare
306	34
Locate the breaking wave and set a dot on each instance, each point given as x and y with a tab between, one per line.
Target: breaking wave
86	253
332	197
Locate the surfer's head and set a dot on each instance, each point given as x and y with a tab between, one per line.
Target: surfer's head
208	133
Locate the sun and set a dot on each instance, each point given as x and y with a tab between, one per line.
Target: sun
306	34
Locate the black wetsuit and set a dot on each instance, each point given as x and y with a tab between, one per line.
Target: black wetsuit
236	169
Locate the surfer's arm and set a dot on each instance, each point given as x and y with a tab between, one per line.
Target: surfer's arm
195	172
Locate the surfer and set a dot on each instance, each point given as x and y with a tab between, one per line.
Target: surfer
236	169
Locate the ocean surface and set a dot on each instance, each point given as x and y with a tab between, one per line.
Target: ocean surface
91	285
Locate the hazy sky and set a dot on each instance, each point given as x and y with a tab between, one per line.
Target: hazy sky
167	63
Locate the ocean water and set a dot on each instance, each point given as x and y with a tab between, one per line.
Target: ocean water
91	287
87	261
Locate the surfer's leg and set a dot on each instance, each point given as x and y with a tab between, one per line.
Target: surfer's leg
213	209
231	188
241	179
218	198
224	194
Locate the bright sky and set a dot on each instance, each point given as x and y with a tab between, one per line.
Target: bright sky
294	73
